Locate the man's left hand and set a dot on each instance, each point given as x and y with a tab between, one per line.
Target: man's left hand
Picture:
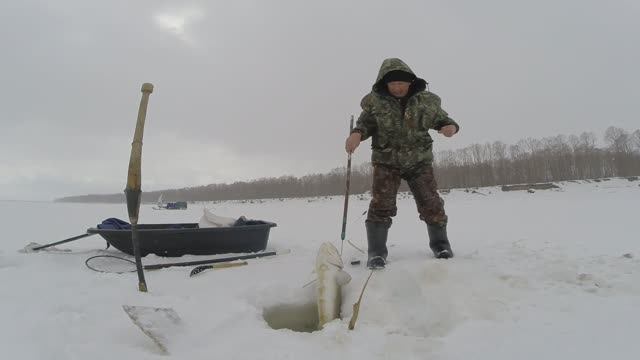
448	130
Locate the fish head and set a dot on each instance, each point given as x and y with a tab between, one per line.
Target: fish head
328	254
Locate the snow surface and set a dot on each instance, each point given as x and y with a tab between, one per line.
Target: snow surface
549	275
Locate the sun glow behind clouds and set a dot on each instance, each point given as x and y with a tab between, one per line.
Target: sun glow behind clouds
178	23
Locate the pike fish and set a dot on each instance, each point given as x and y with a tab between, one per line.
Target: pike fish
331	278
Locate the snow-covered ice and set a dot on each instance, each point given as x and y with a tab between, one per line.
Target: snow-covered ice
549	275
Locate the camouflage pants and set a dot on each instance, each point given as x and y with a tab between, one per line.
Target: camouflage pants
422	183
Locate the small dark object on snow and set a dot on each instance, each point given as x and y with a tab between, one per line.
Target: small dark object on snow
628	256
541	186
178	205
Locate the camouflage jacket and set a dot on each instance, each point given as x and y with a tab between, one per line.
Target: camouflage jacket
399	128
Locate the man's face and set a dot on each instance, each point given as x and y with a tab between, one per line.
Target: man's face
398	88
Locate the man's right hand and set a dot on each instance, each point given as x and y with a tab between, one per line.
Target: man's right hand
352	142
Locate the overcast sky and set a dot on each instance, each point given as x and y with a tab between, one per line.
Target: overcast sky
251	89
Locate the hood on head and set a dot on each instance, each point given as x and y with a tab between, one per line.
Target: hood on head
395	64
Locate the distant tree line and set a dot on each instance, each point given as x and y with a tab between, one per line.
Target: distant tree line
549	159
530	160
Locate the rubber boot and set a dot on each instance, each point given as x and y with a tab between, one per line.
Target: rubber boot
438	241
377	241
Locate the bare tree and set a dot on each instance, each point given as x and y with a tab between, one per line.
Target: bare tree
620	144
635	139
529	160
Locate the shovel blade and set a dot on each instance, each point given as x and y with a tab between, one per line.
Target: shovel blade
159	324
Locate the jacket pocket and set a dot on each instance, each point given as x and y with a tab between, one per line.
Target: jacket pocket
384	156
428	117
385	132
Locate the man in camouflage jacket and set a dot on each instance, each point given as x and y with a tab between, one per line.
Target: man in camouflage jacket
397	114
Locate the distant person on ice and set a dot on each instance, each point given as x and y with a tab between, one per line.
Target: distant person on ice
397	115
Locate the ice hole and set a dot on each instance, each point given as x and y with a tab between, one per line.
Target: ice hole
296	317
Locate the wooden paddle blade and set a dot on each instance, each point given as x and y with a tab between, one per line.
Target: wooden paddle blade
159	324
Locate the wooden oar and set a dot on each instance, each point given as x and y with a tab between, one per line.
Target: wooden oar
132	191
